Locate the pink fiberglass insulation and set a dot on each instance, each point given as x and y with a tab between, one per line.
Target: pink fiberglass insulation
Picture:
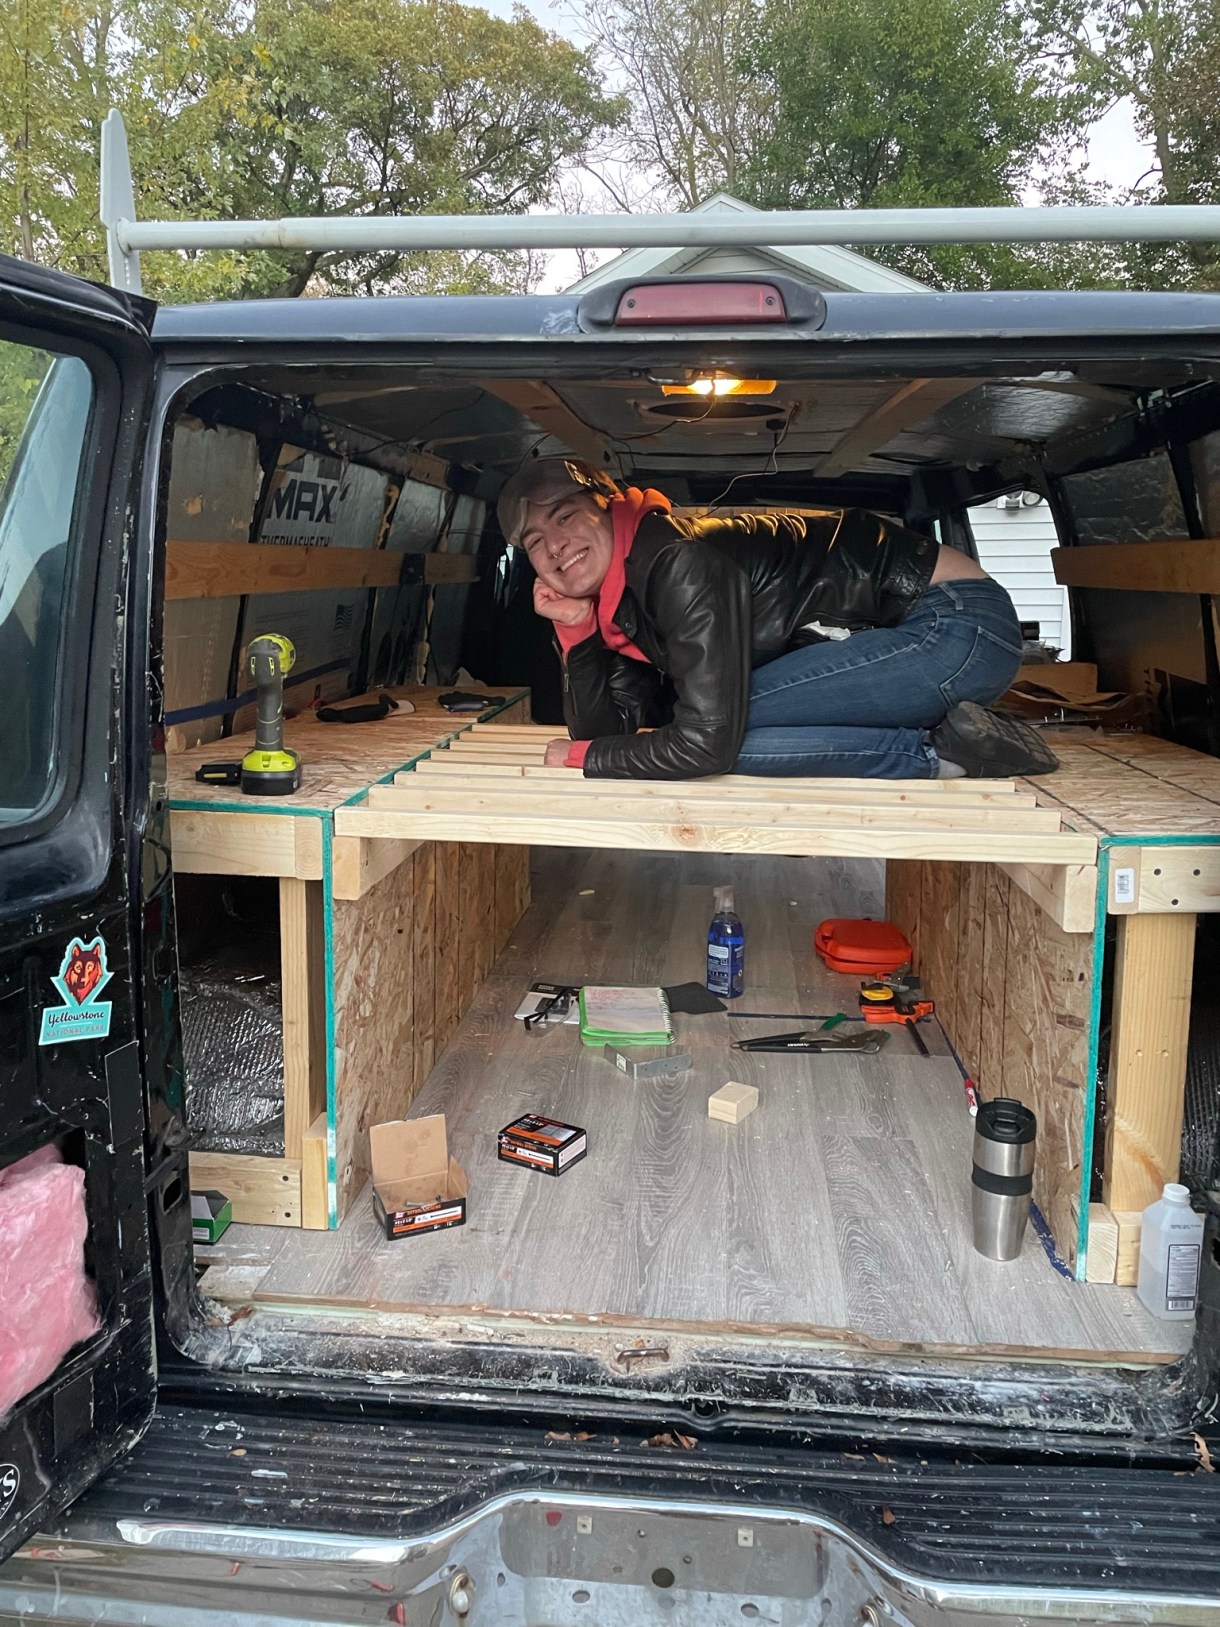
47	1304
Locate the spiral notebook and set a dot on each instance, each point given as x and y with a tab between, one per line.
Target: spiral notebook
619	1016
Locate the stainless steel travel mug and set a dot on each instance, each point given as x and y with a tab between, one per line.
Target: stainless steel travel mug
1003	1177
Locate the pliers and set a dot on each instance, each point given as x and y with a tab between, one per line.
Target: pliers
810	1041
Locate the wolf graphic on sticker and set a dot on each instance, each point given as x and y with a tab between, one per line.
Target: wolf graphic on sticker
10	1485
83	975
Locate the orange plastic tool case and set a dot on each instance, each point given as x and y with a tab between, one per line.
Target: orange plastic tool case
862	947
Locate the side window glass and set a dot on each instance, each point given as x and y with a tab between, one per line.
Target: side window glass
1014	535
45	401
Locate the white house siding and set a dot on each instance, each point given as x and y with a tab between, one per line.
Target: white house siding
1014	546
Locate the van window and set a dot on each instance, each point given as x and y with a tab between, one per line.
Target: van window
45	401
1014	535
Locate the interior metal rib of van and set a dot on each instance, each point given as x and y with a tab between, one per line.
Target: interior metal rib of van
357	953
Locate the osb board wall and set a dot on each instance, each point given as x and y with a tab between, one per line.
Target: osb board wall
409	958
1014	993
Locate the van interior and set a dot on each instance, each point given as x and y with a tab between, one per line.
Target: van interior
375	973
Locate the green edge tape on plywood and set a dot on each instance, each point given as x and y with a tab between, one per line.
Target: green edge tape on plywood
332	1106
1105	847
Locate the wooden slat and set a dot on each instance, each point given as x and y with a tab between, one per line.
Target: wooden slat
339	761
615	801
226	570
1177	565
546	407
1152	984
263	1191
560	827
880	793
914	402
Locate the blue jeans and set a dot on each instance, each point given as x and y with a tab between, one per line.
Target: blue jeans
863	705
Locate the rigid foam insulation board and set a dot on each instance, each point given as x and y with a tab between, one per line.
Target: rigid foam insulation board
317	502
214	483
414	529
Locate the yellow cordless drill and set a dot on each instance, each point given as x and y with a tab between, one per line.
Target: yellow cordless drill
269	769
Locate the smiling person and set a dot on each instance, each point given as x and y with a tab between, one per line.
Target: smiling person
843	644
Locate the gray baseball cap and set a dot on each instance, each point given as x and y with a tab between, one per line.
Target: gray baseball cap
545	481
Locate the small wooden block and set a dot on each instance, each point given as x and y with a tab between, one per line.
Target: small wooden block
732	1102
1130	1223
1102	1261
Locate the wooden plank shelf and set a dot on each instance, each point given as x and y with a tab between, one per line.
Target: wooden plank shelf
1174	565
226	570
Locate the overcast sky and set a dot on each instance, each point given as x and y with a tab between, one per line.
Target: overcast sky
1114	153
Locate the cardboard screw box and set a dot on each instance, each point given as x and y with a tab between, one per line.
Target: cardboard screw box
417	1186
547	1145
211	1213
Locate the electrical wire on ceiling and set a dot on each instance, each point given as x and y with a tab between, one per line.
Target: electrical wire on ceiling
771	467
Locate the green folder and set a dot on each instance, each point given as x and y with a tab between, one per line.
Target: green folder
622	1016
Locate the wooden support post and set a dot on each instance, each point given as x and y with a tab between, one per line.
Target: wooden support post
303	999
1148	1067
315	1199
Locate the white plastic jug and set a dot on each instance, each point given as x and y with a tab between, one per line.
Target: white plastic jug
1171	1246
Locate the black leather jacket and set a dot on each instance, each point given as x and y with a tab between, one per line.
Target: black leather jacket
706	601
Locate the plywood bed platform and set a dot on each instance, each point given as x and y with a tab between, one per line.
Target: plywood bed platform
837	1212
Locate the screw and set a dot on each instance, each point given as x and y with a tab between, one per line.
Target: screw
461	1595
745	1537
869	1617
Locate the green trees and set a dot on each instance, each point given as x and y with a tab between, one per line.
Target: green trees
271	107
859	103
276	107
880	103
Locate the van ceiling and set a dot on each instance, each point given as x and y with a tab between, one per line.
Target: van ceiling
821	427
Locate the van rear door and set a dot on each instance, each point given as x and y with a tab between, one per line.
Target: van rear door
77	1372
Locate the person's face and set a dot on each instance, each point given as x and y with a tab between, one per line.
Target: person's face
570	544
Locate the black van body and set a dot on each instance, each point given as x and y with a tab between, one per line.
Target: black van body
906	1489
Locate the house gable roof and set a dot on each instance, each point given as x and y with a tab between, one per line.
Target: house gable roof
825	266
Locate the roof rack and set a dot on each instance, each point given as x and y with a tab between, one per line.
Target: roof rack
1126	223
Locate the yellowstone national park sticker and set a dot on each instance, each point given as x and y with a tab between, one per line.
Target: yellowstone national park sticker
82	977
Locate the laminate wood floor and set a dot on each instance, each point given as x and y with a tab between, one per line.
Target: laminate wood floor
839	1210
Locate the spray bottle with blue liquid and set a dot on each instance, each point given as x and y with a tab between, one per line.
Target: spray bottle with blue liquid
726	949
